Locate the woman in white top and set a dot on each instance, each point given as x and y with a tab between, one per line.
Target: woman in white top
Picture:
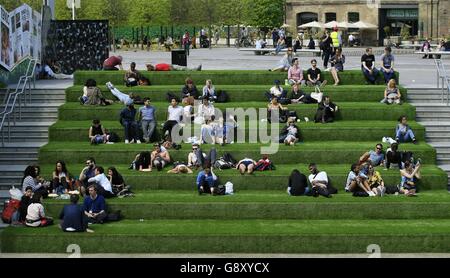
205	112
35	213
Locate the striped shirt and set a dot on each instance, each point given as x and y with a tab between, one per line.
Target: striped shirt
29	181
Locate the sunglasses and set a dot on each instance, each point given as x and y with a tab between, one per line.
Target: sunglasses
379	149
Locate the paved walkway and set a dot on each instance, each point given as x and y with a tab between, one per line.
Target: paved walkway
414	71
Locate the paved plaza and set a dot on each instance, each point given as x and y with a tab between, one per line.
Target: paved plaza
415	72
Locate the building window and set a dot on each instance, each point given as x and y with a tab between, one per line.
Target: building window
303	18
353	17
330	17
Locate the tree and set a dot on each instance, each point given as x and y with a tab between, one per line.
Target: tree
267	13
207	12
234	12
149	12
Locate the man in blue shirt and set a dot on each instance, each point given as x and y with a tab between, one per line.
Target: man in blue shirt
206	181
148	119
72	217
127	119
87	173
94	207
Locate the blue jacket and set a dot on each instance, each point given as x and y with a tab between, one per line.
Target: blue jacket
72	216
96	205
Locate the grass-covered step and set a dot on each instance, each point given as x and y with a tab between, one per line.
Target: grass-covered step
273	205
309	131
347	110
325	152
219	77
432	177
237	93
238	236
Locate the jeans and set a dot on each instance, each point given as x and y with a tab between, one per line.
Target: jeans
130	126
405	137
388	75
279	48
326	57
372	78
124	98
148	127
269	96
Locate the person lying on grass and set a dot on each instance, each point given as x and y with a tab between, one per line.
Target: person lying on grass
246	165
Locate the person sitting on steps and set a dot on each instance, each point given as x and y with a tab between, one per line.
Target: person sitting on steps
403	132
326	112
314	75
392	93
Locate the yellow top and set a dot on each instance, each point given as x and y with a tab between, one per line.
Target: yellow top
335	37
375	180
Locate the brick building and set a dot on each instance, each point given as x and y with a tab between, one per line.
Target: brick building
427	18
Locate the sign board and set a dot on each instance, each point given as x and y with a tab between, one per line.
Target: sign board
20	35
403	13
71	2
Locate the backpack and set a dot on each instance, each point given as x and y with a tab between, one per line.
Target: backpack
222	97
113	137
11	207
264	165
221	164
227	157
220	190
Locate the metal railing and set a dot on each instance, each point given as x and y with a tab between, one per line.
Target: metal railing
13	98
443	79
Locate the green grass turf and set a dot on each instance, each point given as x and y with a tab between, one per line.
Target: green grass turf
237	93
309	131
347	110
325	152
219	77
239	236
267	204
432	177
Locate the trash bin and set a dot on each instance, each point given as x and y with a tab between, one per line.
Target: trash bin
179	57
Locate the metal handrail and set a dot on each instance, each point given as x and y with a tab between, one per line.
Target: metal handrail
12	99
442	76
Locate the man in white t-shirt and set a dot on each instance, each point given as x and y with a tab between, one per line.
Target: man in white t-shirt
175	115
102	183
319	181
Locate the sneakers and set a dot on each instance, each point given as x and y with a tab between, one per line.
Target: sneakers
110	85
371	194
127	141
138	142
415	142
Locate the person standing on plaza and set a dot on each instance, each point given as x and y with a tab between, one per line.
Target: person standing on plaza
336	40
325	45
186	41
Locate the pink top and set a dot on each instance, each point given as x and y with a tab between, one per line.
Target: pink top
295	74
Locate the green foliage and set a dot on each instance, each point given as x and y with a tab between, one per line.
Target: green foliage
404	33
267	13
149	12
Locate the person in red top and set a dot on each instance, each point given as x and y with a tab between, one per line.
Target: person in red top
168	67
112	62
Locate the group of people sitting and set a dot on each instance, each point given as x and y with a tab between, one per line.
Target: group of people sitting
92	183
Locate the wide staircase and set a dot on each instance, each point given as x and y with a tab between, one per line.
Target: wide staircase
28	134
168	216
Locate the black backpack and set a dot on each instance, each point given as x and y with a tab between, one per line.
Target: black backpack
220	190
221	164
222	97
227	157
113	137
